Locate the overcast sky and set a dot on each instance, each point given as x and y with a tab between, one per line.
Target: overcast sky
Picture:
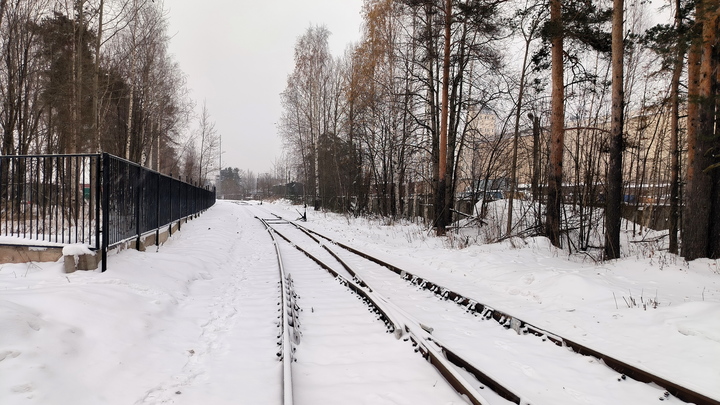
237	55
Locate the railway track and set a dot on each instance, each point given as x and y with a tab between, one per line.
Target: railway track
331	314
407	304
289	326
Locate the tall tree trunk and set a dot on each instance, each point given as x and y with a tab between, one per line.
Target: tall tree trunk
535	157
456	95
131	80
614	176
432	107
96	81
674	138
557	127
516	137
693	93
696	235
315	130
440	214
9	112
3	4
70	147
714	171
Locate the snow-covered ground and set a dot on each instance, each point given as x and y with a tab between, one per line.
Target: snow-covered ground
188	323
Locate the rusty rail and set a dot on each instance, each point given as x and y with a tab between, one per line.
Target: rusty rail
509	321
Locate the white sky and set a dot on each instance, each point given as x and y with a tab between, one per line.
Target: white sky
237	56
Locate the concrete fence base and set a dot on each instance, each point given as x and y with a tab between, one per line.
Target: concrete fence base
71	262
24	254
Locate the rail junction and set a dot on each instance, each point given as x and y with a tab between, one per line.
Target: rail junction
327	286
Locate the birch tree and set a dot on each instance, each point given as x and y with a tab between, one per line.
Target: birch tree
305	99
209	141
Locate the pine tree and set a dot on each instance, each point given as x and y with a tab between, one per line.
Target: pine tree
578	21
701	224
614	177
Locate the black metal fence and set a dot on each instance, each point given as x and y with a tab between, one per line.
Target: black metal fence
96	199
50	198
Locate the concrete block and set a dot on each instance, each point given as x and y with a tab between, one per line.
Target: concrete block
79	257
81	262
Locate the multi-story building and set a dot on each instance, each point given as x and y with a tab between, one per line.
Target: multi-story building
487	156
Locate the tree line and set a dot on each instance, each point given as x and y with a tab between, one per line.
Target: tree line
88	76
583	108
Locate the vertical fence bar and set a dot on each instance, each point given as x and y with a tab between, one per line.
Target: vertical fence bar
11	180
30	199
42	187
81	193
137	198
75	202
105	161
98	193
55	186
172	205
3	198
3	208
11	195
23	199
157	209
63	197
37	197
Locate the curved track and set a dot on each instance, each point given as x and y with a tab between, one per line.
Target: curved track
332	314
425	313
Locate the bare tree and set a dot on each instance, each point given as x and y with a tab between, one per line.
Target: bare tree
675	129
209	146
20	76
440	217
308	103
557	126
529	33
191	166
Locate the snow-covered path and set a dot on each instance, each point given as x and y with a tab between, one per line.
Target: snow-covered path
233	360
195	321
189	323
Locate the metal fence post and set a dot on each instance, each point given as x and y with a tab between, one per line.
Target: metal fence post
138	185
98	201
104	190
157	209
172	185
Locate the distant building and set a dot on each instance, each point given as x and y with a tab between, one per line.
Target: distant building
481	140
293	191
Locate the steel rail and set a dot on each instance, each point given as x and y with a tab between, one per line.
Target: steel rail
430	348
288	320
521	327
393	326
